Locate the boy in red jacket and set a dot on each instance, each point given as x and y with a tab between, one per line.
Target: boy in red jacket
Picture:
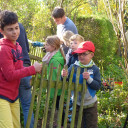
11	70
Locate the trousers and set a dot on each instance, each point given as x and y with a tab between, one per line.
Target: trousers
25	98
89	117
9	114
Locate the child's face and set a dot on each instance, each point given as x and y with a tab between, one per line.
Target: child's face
49	48
74	45
11	32
85	57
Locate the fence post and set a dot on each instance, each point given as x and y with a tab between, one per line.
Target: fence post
84	89
48	84
75	97
32	102
39	95
61	102
48	97
68	98
55	96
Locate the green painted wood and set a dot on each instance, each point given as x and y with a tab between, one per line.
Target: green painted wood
75	97
84	89
58	84
55	97
39	95
35	57
44	121
61	103
32	102
68	98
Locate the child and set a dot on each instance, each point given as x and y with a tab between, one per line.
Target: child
85	53
56	56
75	40
11	70
66	42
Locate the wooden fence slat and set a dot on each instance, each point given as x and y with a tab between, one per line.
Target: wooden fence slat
68	98
45	83
75	97
55	97
48	97
32	102
84	89
35	57
39	95
61	103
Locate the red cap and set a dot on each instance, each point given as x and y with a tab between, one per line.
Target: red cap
85	46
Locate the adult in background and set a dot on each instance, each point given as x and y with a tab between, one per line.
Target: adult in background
63	23
25	87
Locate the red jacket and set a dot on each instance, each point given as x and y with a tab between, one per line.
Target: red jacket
11	69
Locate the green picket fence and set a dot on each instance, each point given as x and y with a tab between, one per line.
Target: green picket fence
41	83
35	53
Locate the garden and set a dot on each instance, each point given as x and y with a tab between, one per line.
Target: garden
104	22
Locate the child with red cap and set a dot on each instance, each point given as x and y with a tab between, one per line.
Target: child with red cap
85	53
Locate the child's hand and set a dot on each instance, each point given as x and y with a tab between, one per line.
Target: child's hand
64	72
86	75
37	67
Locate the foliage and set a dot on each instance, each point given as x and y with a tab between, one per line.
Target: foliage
41	24
24	9
112	107
114	70
89	17
100	31
117	15
42	104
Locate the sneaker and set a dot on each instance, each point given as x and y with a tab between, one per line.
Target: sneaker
69	116
70	109
69	120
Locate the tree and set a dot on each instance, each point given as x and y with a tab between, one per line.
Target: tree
117	16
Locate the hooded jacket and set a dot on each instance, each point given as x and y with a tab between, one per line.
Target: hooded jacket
93	84
56	60
11	69
23	42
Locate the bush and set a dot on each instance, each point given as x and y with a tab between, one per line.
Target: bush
100	31
112	107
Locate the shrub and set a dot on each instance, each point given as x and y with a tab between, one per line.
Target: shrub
100	31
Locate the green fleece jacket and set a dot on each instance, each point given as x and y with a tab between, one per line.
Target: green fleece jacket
56	60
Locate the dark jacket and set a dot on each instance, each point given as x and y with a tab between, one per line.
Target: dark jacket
23	41
90	96
72	59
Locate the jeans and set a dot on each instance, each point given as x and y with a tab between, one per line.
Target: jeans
25	98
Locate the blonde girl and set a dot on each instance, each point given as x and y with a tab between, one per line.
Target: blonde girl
55	55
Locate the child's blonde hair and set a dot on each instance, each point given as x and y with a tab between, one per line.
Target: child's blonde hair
76	37
56	42
66	37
